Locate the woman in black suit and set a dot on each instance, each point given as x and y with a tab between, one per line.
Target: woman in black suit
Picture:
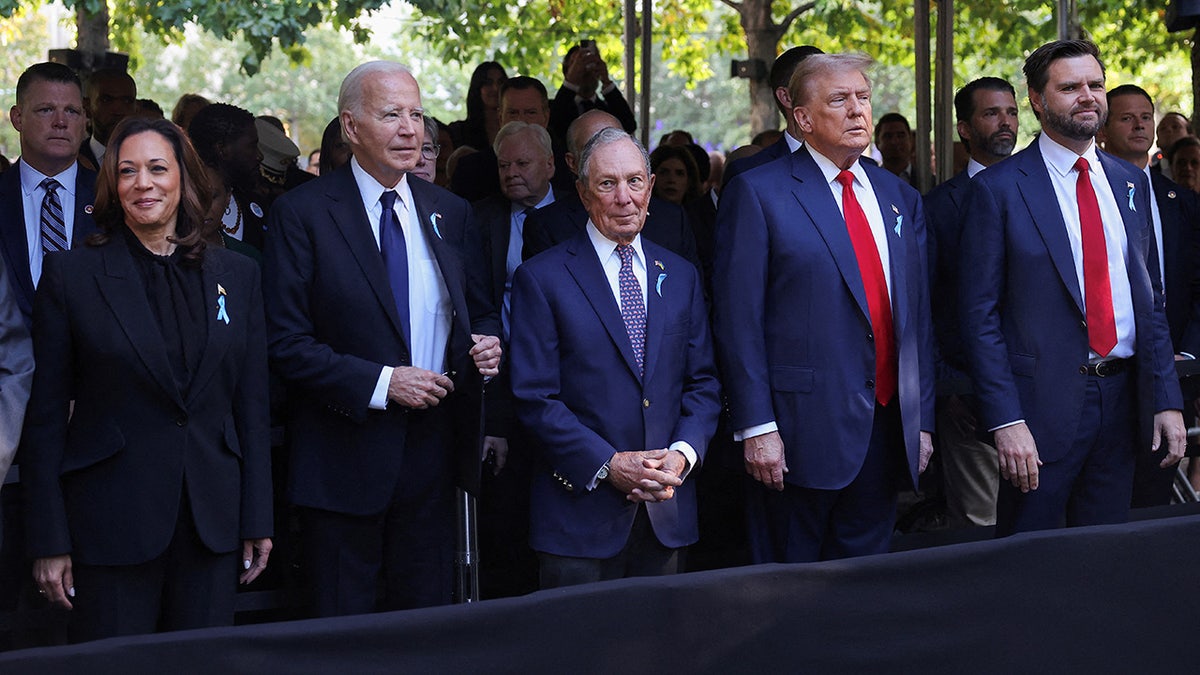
146	444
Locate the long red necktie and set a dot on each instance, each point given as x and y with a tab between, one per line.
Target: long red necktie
875	285
1097	298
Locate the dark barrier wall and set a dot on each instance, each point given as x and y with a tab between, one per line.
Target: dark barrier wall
1119	599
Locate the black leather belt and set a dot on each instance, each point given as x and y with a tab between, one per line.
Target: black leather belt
1106	368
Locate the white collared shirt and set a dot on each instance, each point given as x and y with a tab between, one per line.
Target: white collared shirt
793	143
429	306
974	167
1060	164
610	260
866	199
32	194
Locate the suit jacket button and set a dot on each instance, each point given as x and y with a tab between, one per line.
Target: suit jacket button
645	403
1083	370
870	337
870	384
1083	325
181	421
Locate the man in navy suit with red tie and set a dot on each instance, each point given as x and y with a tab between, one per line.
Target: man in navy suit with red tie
823	329
613	377
1062	314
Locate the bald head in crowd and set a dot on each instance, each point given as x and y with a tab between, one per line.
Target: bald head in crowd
582	130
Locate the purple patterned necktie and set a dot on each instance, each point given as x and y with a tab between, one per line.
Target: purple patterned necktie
633	305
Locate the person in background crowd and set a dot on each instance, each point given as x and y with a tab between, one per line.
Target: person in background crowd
314	162
1064	331
226	139
894	138
109	96
279	170
148	108
676	178
1129	134
49	184
507	565
426	168
613	376
1171	128
483	108
586	86
987	124
1183	156
146	458
186	108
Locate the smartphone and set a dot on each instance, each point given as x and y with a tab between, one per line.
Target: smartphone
587	44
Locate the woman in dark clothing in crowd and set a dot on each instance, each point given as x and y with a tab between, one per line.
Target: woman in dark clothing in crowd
479	129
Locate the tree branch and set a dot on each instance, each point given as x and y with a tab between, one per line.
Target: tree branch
791	16
737	6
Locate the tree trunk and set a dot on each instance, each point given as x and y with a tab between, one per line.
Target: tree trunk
762	43
92	41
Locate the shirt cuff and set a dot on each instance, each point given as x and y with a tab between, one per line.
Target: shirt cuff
689	453
1189	357
571	86
758	430
1010	424
608	88
379	399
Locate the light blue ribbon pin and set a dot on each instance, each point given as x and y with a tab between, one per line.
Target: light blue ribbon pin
433	219
1132	206
899	222
658	286
222	315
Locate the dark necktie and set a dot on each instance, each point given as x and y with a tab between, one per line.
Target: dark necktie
875	285
1097	294
395	257
633	306
53	227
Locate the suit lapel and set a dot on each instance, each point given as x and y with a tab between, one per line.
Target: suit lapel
124	293
217	283
656	306
585	268
1134	207
1038	193
85	189
13	235
1168	212
827	219
897	222
346	211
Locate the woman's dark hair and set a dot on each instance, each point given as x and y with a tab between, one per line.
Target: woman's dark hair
216	125
475	125
664	152
196	193
333	147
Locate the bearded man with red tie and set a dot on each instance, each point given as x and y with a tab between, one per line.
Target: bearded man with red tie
1062	313
823	328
